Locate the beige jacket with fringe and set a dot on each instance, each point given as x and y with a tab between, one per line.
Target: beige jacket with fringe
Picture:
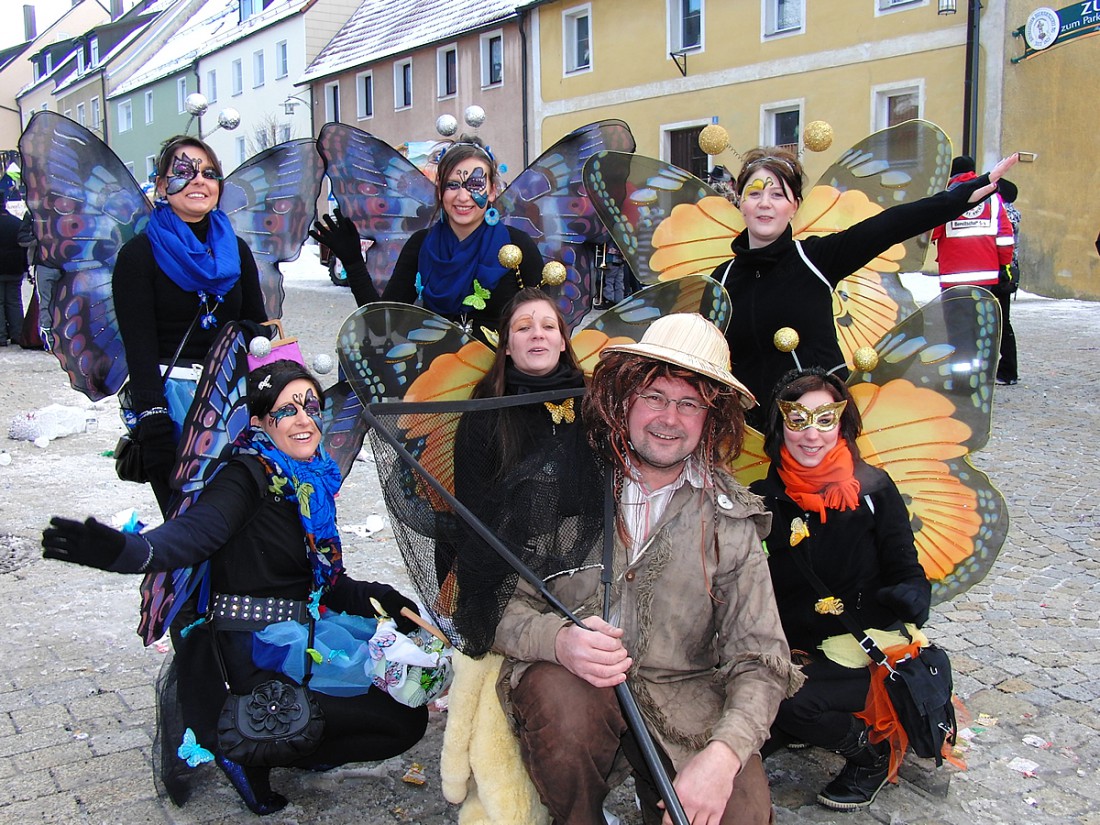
710	658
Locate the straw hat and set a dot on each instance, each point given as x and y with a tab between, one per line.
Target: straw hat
690	341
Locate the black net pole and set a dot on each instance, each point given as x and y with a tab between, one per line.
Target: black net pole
631	712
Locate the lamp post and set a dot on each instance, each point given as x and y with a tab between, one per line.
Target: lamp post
292	101
970	79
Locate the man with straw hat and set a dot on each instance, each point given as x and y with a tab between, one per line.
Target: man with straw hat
690	622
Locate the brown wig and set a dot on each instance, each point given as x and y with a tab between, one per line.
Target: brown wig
783	164
492	385
173	145
793	386
619	376
261	401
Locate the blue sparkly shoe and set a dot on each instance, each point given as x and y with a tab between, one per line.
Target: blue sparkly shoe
252	786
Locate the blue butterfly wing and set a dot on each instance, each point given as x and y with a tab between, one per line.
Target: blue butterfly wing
632	316
271	202
344	426
386	196
385	346
548	200
634	194
217	416
926	406
85	205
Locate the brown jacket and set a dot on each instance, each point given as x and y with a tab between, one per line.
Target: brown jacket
710	658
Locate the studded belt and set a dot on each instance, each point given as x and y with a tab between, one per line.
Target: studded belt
232	612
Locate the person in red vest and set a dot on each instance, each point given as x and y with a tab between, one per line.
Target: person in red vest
976	246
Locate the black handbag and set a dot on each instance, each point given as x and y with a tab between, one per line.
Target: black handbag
919	687
275	725
129	465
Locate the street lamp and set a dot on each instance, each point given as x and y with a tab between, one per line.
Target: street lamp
970	79
946	7
290	102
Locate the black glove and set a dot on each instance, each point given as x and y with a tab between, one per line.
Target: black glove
908	601
157	437
392	602
339	234
91	543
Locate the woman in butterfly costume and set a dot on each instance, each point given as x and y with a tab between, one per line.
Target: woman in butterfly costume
775	281
267	522
452	268
849	524
173	286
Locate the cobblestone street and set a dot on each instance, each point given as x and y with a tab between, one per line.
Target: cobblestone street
76	689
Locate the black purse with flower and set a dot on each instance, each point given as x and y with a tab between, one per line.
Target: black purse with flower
275	725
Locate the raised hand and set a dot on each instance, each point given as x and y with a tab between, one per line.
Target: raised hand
995	174
89	543
338	233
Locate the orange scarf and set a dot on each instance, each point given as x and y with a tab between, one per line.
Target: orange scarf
831	484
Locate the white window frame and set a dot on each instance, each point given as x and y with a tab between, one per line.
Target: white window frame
891	6
93	48
676	27
881	95
666	135
242	150
248	8
441	71
284	133
125	116
81	61
237	73
130	168
332	102
767	120
364	81
81	115
769	19
487	39
96	114
212	86
69	114
150	166
402	87
282	60
181	94
258	78
148	105
569	18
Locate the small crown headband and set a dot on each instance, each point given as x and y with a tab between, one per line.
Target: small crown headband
446	147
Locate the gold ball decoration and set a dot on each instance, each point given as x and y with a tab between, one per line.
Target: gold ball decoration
785	339
553	274
865	359
714	139
510	256
818	136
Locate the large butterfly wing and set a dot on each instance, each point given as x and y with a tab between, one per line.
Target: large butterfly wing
899	164
548	200
386	195
926	406
86	205
634	196
270	200
343	425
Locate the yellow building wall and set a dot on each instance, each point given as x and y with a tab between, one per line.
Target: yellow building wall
1050	108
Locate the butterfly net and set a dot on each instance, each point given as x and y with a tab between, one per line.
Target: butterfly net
531	480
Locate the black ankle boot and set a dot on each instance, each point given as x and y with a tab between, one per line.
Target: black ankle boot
863	775
252	786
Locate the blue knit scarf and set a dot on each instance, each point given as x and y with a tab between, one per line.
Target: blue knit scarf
449	266
313	485
213	267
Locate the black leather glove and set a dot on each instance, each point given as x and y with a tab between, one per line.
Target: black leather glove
157	437
392	602
89	543
908	601
339	234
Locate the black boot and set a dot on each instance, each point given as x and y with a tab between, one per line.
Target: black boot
252	786
862	776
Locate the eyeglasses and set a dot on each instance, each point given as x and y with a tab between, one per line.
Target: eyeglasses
824	419
685	406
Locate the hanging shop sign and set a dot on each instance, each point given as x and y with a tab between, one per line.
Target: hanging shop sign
1046	27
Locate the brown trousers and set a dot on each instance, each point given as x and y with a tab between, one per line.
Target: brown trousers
570	733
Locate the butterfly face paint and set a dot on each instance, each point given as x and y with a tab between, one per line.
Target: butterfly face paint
297	435
307	404
473	182
185	169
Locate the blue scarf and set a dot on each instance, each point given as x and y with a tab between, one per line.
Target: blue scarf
313	485
213	267
449	266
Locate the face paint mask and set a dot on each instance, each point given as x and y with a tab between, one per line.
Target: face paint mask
309	405
477	185
184	170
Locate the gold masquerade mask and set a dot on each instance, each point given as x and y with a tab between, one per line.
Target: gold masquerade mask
823	419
